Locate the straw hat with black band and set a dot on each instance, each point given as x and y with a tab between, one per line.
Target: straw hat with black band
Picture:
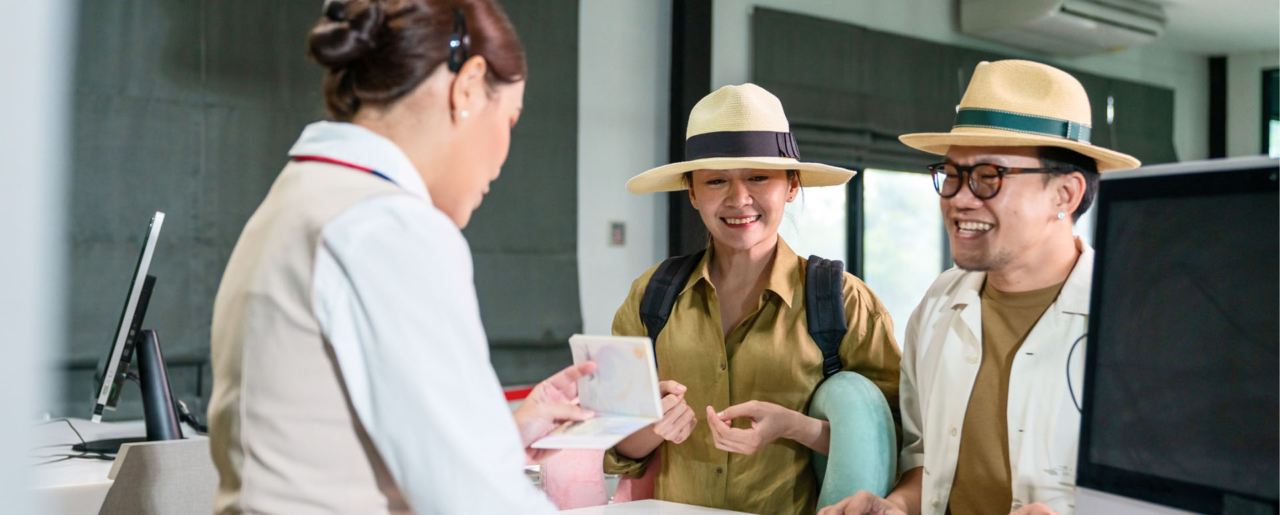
1022	104
738	127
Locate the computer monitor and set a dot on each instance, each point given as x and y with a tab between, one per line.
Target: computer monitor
116	368
1181	394
130	340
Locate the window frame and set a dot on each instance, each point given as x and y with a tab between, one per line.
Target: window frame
1270	108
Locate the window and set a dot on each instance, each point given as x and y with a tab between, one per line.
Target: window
904	246
816	223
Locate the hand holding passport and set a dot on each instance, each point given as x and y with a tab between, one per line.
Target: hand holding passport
622	392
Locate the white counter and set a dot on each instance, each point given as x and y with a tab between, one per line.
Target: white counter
649	507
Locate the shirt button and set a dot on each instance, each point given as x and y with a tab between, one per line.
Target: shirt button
953	431
719	470
936	503
723	365
971	359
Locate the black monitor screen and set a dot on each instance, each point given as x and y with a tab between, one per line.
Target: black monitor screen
1184	383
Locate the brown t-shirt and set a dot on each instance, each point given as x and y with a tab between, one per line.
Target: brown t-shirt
982	484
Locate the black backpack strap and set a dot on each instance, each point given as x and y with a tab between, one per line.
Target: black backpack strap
824	307
665	285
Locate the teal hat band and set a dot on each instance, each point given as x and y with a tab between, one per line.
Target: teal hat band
1005	120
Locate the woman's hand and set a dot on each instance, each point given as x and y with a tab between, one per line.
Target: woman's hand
678	419
769	422
550	404
863	503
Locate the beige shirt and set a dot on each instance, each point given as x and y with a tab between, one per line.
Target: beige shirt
940	361
768	357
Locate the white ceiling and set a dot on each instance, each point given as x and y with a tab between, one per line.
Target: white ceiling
1213	27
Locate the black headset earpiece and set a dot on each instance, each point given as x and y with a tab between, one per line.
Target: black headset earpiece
459	42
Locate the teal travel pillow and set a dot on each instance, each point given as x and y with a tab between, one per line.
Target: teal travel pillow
864	445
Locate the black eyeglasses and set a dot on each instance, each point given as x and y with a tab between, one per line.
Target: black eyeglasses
459	42
985	179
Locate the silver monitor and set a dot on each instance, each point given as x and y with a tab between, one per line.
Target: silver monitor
115	370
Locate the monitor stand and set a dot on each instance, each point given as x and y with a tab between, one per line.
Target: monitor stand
157	399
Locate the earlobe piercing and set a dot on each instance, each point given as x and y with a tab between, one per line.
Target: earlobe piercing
1061	215
464	114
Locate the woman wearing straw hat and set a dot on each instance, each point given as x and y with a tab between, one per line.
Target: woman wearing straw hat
990	418
737	365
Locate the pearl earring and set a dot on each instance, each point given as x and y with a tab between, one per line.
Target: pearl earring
464	114
1061	215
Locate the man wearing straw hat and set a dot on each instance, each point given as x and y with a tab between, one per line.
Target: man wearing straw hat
993	358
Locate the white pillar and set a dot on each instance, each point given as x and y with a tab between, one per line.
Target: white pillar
36	55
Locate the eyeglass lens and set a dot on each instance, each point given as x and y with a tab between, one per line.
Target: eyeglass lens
984	180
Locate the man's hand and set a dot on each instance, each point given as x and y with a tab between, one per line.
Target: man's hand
862	503
551	403
768	423
678	419
1034	509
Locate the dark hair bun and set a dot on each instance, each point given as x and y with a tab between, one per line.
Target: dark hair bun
378	51
340	38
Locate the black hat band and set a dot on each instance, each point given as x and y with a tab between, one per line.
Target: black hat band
742	144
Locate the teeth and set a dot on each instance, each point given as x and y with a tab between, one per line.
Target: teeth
740	221
975	226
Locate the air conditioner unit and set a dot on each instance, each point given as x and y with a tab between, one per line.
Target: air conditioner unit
1068	28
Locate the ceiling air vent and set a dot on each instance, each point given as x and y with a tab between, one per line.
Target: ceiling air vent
1068	28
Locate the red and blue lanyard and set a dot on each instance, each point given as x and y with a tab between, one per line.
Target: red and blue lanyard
332	161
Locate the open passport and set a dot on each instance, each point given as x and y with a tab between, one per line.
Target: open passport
623	392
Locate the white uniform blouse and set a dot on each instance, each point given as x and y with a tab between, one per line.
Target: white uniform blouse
395	298
940	360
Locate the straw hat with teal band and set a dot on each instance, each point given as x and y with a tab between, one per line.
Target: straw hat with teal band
1023	104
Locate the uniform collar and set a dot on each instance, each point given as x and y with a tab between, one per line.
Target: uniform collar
783	277
351	143
1074	297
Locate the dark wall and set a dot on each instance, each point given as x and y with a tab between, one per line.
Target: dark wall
185	107
525	237
189	107
850	91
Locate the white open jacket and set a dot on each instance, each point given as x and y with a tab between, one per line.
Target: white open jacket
940	360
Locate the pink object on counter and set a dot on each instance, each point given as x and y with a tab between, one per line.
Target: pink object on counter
574	478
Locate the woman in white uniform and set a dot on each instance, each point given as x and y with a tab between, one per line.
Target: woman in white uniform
351	369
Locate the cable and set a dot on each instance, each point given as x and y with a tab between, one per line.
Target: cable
64	457
82	456
69	424
1069	388
185	415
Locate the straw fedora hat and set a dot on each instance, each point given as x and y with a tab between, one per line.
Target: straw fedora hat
738	127
1021	104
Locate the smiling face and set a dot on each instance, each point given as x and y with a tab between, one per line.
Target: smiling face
989	235
742	208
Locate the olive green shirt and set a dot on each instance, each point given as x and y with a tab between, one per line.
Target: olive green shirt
768	357
982	481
